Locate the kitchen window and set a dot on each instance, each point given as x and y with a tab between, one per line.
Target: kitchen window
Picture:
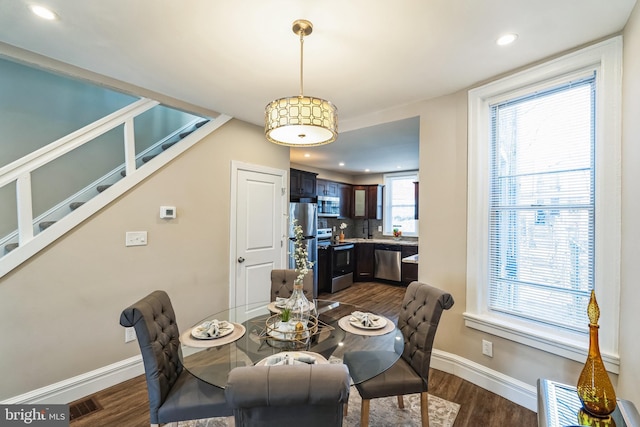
544	203
400	203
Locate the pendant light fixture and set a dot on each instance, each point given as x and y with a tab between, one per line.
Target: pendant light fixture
301	121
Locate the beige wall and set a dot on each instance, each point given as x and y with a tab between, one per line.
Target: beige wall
365	179
443	246
73	292
629	384
325	174
443	182
69	297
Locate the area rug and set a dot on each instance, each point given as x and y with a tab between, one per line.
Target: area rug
383	412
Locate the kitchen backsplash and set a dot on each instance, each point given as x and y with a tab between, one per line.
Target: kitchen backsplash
357	228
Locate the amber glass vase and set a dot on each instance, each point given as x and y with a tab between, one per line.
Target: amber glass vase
594	386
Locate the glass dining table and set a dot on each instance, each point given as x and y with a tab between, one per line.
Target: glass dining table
249	342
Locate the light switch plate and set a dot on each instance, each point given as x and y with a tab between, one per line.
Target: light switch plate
136	238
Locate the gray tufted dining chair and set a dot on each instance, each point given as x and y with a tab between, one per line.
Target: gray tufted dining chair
418	320
174	394
273	396
282	283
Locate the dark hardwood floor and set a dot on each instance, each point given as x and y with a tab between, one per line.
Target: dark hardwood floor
126	404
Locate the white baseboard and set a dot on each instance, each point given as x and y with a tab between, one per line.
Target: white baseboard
92	382
514	390
83	385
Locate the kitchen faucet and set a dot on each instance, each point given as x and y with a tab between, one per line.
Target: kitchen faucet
367	233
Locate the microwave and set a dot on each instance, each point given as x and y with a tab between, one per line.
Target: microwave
328	206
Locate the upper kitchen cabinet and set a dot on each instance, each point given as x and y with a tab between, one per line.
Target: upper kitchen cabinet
374	202
367	201
327	188
346	200
302	184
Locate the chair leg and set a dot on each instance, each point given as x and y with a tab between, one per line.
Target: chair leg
345	409
424	408
364	413
400	402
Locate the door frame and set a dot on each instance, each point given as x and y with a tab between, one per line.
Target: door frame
284	200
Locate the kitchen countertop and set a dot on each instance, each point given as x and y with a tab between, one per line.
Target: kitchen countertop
385	241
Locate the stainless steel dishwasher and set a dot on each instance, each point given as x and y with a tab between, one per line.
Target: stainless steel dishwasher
387	262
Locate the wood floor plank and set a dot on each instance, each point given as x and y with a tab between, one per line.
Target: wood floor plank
127	404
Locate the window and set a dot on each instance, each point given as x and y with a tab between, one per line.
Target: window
541	205
544	203
400	203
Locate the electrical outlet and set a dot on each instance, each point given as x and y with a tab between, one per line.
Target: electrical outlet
129	334
487	348
380	228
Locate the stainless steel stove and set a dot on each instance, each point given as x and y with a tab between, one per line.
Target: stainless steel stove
335	263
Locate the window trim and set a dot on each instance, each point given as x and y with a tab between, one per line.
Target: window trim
606	59
387	229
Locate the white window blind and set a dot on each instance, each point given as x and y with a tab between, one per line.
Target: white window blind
400	203
542	205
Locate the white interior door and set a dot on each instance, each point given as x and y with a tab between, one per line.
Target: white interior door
260	217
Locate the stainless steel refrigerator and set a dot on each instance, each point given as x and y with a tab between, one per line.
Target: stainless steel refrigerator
306	215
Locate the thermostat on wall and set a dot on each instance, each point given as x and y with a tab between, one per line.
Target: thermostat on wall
167	212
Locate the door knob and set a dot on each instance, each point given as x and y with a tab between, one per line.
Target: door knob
240	260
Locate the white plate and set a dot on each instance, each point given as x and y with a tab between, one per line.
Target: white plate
380	323
200	332
319	359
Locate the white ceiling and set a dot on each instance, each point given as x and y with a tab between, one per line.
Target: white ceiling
365	56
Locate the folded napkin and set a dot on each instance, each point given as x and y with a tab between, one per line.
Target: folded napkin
366	319
288	359
212	328
280	302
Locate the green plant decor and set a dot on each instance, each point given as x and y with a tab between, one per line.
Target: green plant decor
285	314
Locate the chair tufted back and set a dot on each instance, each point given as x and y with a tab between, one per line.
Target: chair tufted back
155	324
282	284
311	395
418	320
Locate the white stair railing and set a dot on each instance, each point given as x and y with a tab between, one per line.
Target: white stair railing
20	170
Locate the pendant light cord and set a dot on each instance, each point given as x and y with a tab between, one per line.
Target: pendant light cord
301	59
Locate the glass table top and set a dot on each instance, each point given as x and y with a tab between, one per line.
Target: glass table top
212	362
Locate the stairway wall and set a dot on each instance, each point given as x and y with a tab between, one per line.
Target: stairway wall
59	310
38	107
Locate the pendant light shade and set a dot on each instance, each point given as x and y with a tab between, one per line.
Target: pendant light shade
301	121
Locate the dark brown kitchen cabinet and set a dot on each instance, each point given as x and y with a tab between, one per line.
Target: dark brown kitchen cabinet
327	188
374	202
409	271
364	262
367	201
302	184
346	200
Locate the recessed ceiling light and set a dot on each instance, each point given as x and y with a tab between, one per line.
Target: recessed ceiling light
398	167
307	155
366	170
43	12
341	164
506	39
